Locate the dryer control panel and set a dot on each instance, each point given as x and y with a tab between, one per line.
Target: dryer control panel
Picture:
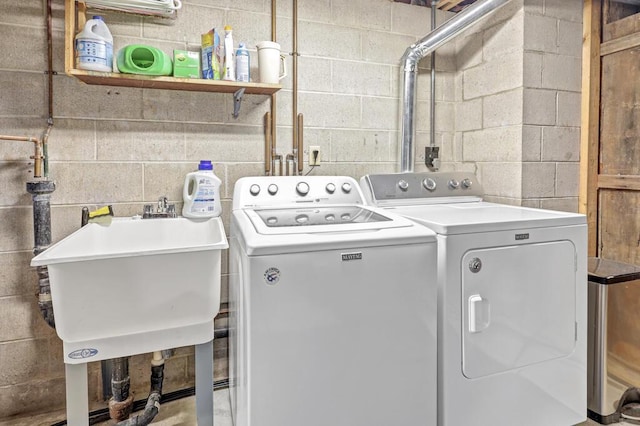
267	191
420	188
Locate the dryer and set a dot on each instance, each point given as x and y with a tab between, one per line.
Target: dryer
512	301
333	308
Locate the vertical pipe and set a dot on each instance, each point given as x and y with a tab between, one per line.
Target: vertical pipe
268	166
273	96
432	133
294	115
419	50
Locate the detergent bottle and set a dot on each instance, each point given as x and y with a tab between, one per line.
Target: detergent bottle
201	193
94	46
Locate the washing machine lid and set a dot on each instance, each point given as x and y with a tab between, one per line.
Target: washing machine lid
319	219
464	218
289	230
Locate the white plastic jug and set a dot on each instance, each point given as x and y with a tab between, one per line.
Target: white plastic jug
271	64
201	193
94	46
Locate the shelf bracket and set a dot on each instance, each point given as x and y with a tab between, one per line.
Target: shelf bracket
237	101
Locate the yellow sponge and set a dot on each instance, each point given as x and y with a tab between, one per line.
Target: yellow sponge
103	215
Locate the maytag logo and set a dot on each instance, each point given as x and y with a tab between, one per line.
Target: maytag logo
351	256
522	237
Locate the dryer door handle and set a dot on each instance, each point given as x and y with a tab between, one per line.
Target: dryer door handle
479	313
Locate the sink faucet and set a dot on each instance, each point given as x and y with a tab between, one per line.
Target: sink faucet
163	209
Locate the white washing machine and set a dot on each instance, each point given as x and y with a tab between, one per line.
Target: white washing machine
333	308
512	301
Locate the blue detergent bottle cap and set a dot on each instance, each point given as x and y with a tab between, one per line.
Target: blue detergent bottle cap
205	165
98	17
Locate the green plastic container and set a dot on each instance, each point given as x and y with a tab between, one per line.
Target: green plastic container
142	59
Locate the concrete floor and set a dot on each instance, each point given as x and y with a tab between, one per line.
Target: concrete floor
179	413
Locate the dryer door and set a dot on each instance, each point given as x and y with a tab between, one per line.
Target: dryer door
518	306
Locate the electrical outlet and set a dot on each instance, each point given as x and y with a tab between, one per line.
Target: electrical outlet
314	156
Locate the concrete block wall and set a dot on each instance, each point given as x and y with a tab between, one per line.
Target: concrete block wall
126	146
517	116
500	112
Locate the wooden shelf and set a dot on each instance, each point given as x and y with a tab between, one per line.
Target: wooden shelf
171	83
75	18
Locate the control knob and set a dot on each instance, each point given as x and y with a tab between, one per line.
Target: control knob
302	188
331	188
346	187
403	185
454	184
466	183
254	189
272	189
429	184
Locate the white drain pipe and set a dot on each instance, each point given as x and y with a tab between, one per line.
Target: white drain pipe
419	50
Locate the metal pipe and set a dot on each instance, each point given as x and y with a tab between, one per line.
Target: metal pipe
274	108
155	393
432	133
421	49
268	160
121	401
294	115
300	142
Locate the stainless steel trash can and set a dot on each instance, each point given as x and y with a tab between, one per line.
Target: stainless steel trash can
613	362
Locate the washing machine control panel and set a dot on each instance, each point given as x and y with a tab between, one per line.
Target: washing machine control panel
419	187
264	191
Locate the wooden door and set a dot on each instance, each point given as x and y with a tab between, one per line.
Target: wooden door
610	184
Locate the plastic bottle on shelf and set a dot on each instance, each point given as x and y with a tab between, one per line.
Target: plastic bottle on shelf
94	46
229	65
242	63
201	193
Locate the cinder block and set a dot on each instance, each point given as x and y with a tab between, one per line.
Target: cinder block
569	109
384	48
224	143
502	144
13	42
374	14
505	38
73	140
381	114
501	179
570	38
532	70
26	92
412	20
248	27
539	107
99	183
33	397
540	33
16	275
13	179
468	52
568	179
469	115
164	105
560	144
502	74
538	180
26	12
563	9
22	360
134	140
338	111
168	179
531	143
329	41
359	146
314	75
237	170
561	72
360	78
566	204
16	228
503	109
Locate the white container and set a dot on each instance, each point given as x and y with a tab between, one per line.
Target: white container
94	46
271	63
229	63
243	62
201	193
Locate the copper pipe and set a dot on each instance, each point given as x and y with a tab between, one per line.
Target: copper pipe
294	115
278	157
290	158
274	142
267	144
300	143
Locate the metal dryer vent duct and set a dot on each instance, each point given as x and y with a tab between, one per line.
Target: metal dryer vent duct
419	50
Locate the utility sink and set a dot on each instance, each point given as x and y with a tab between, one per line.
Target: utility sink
135	286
